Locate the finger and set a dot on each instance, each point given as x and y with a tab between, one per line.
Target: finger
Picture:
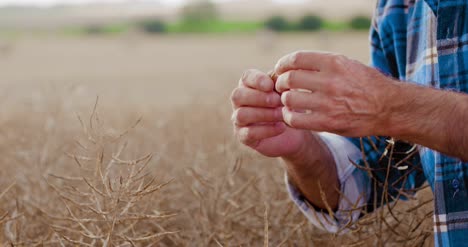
308	121
307	60
304	101
246	116
256	79
301	79
252	135
250	97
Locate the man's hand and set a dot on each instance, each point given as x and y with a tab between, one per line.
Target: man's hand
258	119
258	123
328	92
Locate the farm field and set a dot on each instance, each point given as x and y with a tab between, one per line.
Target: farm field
127	141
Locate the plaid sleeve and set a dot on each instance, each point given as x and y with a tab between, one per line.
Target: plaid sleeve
354	187
383	157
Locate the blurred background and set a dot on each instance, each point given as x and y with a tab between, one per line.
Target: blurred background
172	51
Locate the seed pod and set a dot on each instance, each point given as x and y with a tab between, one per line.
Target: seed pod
273	75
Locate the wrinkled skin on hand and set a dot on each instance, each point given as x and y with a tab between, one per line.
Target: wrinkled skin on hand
332	93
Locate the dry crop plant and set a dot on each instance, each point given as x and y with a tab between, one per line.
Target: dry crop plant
397	215
5	215
234	211
106	193
229	210
225	196
110	202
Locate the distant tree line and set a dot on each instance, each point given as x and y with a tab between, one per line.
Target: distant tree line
308	22
313	22
202	15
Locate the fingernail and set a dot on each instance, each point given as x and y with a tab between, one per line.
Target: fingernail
283	97
285	112
275	70
233	116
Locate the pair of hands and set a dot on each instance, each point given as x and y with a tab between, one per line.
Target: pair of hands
313	91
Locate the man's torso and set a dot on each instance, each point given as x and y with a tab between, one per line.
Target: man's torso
426	42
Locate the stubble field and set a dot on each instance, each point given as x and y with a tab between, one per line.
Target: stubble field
127	141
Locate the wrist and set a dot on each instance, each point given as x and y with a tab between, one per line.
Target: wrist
313	166
400	104
413	111
302	154
313	153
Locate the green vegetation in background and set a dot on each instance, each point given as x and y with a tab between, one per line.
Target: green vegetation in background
107	29
335	26
202	16
217	26
360	23
278	23
310	22
153	26
97	29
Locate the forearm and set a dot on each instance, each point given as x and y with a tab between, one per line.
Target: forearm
313	171
433	118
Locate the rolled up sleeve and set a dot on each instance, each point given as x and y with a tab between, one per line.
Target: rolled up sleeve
354	186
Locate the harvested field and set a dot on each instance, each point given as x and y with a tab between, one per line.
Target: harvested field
153	163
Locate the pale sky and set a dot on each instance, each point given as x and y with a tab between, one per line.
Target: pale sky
53	2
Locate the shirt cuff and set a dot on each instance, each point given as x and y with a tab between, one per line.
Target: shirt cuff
355	187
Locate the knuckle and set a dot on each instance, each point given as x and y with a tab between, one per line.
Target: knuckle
257	80
338	61
236	96
246	75
240	116
252	76
296	58
258	77
271	99
268	100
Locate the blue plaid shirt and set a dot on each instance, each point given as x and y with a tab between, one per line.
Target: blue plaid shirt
423	42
